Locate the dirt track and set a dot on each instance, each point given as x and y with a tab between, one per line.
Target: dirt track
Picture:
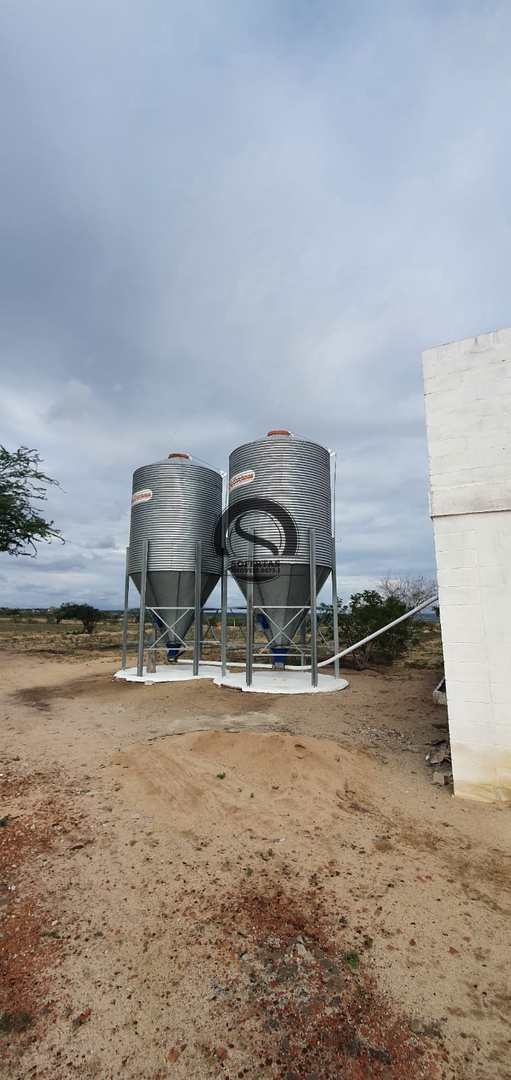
277	891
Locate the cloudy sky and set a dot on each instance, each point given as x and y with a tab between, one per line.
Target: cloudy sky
222	216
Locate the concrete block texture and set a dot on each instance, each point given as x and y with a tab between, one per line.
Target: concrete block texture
468	417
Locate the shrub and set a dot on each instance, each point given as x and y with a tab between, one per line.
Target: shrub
369	611
85	613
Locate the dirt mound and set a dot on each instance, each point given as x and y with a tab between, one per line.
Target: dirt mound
246	776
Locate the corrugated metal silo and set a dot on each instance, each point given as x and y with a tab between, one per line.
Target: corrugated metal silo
292	474
175	503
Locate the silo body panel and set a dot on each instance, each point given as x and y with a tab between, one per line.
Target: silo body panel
175	502
294	474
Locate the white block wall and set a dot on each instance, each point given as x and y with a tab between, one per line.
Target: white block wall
467	388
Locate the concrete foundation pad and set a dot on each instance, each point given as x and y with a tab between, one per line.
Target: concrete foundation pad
168	673
281	682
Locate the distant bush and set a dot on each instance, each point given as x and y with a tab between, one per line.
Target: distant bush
86	614
369	611
13	613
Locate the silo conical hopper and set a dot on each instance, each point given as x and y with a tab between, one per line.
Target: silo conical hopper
293	475
175	503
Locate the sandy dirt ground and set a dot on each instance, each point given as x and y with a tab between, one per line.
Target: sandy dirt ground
200	883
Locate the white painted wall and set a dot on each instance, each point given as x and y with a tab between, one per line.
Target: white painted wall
467	388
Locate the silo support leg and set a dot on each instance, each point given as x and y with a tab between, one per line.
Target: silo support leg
335	609
250	616
313	608
223	617
303	629
141	621
125	614
198	608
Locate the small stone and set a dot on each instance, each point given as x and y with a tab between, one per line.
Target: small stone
382	843
439	754
302	952
82	1017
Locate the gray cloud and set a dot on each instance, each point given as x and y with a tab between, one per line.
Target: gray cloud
223	218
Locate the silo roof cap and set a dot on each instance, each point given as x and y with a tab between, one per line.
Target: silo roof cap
278	431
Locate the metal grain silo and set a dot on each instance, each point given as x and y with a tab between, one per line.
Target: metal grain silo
175	504
275	481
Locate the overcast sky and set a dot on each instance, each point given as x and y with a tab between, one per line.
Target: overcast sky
220	217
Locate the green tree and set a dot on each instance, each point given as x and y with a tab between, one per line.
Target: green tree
85	613
22	483
369	611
